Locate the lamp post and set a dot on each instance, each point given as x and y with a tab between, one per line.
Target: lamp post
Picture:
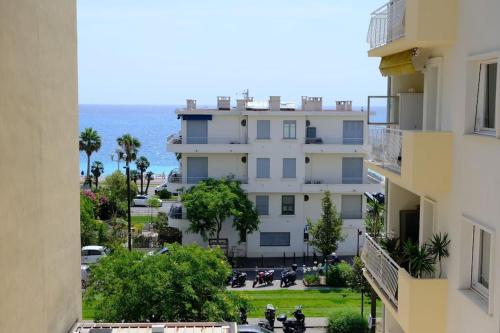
129	218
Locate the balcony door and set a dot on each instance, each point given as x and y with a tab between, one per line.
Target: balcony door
197	169
197	131
432	81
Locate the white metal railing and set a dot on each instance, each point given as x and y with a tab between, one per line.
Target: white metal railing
381	267
211	140
195	180
386	146
335	140
374	178
387	24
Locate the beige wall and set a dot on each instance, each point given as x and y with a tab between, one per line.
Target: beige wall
39	238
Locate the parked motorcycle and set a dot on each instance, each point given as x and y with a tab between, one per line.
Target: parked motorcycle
264	277
297	325
238	279
289	276
270	315
243	316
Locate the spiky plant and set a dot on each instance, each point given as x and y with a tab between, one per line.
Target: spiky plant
420	260
438	247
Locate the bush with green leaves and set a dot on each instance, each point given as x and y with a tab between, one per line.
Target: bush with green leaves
347	322
187	284
164	194
339	275
114	188
311	279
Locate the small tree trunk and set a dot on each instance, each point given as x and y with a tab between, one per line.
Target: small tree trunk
88	169
219	228
96	182
142	192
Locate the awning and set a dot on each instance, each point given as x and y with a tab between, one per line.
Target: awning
196	117
398	64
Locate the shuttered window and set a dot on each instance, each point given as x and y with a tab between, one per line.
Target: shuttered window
351	206
352	170
274	239
197	169
263	167
263	129
289	168
352	132
262	204
197	131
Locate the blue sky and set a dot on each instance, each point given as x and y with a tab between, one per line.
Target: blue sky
164	51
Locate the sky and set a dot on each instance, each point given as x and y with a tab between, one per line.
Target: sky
165	51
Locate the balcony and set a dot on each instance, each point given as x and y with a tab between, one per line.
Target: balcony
346	186
418	305
401	25
177	144
417	160
177	181
325	144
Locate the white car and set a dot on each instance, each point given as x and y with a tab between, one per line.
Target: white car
160	187
92	254
140	200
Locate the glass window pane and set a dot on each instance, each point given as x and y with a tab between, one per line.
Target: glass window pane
274	239
288	205
484	258
262	204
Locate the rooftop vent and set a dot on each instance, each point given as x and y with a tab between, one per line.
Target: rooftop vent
190	104
343	105
274	103
241	104
312	103
223	102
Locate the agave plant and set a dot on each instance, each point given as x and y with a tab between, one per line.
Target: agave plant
393	247
438	248
420	259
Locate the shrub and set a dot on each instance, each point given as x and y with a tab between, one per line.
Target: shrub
311	279
164	194
339	275
347	322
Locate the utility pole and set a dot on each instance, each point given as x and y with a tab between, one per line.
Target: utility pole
129	218
357	248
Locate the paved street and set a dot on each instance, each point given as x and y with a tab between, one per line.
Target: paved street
315	324
299	285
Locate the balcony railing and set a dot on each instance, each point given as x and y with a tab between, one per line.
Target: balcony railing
387	24
195	180
335	141
382	268
386	147
178	139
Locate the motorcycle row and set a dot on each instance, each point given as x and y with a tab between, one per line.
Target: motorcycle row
266	277
295	325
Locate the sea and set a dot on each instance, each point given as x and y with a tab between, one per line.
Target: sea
151	124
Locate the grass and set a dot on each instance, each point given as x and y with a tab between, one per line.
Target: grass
315	303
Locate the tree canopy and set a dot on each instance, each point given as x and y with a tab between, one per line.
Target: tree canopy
129	146
327	231
89	142
187	284
115	189
212	202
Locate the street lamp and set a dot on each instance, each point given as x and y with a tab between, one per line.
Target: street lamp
129	218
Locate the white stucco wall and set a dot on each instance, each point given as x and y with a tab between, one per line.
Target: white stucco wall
39	196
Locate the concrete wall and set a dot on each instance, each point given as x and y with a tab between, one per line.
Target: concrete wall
39	200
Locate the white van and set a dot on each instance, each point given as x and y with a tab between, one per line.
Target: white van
92	254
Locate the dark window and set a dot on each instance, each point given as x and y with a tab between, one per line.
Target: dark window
262	204
311	132
288	205
274	239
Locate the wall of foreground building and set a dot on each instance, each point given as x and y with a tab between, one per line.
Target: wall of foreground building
39	238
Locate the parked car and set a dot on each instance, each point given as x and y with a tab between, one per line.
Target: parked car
140	200
84	272
92	254
160	187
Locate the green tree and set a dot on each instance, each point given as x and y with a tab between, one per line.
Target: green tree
134	175
211	202
89	142
153	203
327	231
142	164
115	189
374	221
357	281
97	170
149	178
129	146
88	226
186	285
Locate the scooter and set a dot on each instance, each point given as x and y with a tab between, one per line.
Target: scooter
270	315
238	279
264	277
289	276
297	325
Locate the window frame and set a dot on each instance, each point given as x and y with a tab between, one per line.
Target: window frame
257	168
283	205
284	162
275	232
477	242
480	102
287	124
269	132
256	206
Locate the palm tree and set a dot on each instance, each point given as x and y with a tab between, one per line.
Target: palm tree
129	146
420	260
374	221
89	142
134	175
149	177
439	248
142	164
97	170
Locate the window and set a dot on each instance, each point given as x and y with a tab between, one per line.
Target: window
351	206
481	251
352	132
352	170
263	167
197	169
274	239
288	205
197	131
311	132
262	204
486	98
289	168
263	129
289	129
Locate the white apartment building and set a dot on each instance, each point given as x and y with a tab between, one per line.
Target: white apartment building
285	159
435	137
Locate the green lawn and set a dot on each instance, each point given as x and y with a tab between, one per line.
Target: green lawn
315	303
141	219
